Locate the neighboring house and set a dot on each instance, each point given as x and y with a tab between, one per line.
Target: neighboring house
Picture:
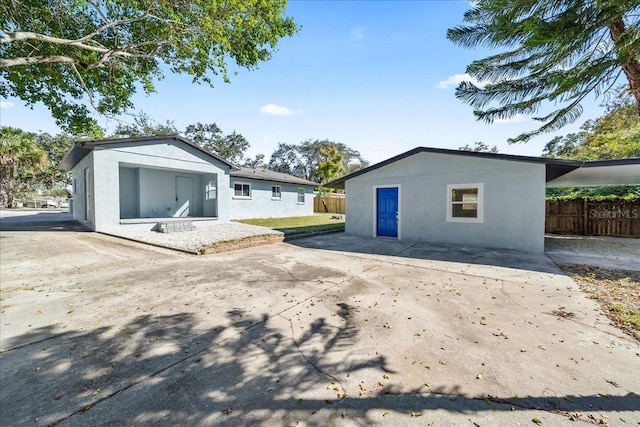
262	193
138	183
466	198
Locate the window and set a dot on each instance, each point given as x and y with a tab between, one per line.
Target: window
241	190
464	203
300	195
276	193
212	190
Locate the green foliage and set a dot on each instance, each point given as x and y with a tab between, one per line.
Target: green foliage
143	125
614	135
69	54
558	52
628	193
304	159
479	147
209	136
52	177
330	165
256	162
59	192
21	159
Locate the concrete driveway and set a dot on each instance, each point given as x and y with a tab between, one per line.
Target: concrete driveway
331	330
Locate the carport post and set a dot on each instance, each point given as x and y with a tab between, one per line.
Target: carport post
585	221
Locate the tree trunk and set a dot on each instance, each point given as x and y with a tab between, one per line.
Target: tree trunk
631	68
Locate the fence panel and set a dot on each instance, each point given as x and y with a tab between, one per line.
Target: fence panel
329	205
621	219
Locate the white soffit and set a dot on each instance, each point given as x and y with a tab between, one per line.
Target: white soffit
599	175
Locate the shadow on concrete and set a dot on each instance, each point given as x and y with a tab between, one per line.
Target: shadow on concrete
428	251
166	370
40	221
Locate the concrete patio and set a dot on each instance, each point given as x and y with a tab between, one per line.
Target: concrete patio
329	330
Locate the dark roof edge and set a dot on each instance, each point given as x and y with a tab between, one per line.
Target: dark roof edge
495	156
612	162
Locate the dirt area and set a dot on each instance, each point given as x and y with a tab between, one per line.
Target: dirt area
617	292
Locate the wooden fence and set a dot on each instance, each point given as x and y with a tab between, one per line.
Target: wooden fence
333	204
621	219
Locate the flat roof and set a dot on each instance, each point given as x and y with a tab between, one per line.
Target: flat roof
601	172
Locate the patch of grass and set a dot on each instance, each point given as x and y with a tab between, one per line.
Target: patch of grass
617	291
299	224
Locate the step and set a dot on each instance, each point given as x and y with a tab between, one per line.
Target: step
174	226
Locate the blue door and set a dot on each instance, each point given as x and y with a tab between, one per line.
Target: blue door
387	212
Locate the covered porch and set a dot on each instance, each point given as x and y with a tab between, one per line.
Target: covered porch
151	196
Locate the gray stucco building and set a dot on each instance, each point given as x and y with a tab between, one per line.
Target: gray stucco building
136	183
464	198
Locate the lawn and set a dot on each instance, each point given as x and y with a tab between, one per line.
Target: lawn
300	224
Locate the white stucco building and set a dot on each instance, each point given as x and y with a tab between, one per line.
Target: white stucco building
138	183
466	198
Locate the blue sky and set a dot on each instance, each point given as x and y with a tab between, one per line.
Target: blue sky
378	76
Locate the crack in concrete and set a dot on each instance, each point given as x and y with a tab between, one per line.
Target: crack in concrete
310	362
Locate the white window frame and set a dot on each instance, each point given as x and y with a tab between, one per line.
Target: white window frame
243	197
303	196
480	203
211	192
279	192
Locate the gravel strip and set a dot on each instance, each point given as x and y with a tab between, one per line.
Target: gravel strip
201	237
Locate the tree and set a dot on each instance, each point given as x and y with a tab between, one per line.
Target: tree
20	159
479	147
143	125
304	159
331	165
614	135
209	136
67	53
558	51
286	159
256	162
52	177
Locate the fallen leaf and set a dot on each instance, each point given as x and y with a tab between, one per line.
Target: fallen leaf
416	414
537	421
479	376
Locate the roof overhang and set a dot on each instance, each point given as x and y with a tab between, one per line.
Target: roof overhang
599	173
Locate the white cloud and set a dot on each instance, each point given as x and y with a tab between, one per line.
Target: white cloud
455	80
515	119
278	110
6	104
